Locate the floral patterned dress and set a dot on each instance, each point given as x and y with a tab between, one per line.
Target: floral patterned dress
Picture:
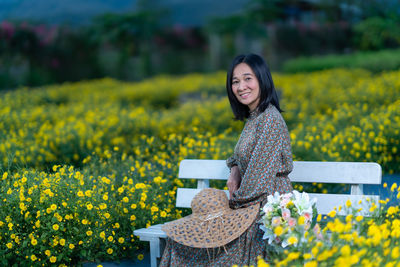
263	156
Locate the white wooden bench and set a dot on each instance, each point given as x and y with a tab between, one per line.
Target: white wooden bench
355	174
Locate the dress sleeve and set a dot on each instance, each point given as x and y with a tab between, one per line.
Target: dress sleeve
231	161
266	161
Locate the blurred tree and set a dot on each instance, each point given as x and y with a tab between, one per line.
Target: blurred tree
132	35
377	33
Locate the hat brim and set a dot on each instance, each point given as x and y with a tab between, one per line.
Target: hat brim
195	232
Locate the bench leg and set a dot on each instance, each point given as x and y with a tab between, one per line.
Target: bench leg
154	251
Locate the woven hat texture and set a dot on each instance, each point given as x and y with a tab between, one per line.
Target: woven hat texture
212	223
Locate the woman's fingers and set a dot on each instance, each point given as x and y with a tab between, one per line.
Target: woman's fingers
232	186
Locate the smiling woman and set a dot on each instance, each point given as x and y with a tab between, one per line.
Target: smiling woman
259	167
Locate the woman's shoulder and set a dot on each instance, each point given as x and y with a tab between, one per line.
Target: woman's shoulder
271	114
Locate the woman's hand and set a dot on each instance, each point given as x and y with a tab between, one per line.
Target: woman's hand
233	182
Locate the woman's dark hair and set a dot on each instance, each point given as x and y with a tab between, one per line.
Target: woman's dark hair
267	89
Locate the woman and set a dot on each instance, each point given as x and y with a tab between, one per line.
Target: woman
259	167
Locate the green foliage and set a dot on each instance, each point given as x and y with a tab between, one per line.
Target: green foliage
373	61
377	33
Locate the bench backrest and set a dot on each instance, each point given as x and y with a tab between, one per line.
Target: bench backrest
354	173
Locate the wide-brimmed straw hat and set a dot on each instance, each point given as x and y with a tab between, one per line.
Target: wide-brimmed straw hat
212	223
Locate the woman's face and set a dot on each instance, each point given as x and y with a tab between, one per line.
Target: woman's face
245	86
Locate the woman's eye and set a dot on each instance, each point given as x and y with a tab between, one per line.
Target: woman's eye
235	82
248	79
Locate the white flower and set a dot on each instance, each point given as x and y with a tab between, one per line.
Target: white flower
268	234
274	199
303	203
268	209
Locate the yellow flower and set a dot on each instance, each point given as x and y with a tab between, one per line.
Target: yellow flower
301	220
56	227
311	264
133	206
107	215
359	218
140	257
84	221
314	251
348	203
332	213
154	209
110	238
47	252
89	233
307	256
293	256
261	262
278	231
395	253
102	235
33	257
89	206
110	251
292	240
394	186
392	210
53	206
80	194
121	240
62	242
345	250
53	259
9	245
163	214
133	217
125	199
105	197
34	242
71	246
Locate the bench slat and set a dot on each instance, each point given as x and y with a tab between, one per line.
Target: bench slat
303	171
147	234
336	172
325	202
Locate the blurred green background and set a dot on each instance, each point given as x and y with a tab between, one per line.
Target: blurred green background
46	42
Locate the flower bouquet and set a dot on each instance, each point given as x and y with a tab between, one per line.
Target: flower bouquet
286	218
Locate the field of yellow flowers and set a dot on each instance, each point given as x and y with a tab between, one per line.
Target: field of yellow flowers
84	164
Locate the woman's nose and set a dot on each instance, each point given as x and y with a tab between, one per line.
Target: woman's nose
241	85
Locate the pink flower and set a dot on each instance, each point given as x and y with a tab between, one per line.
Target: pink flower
317	229
286	214
317	232
292	222
307	216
